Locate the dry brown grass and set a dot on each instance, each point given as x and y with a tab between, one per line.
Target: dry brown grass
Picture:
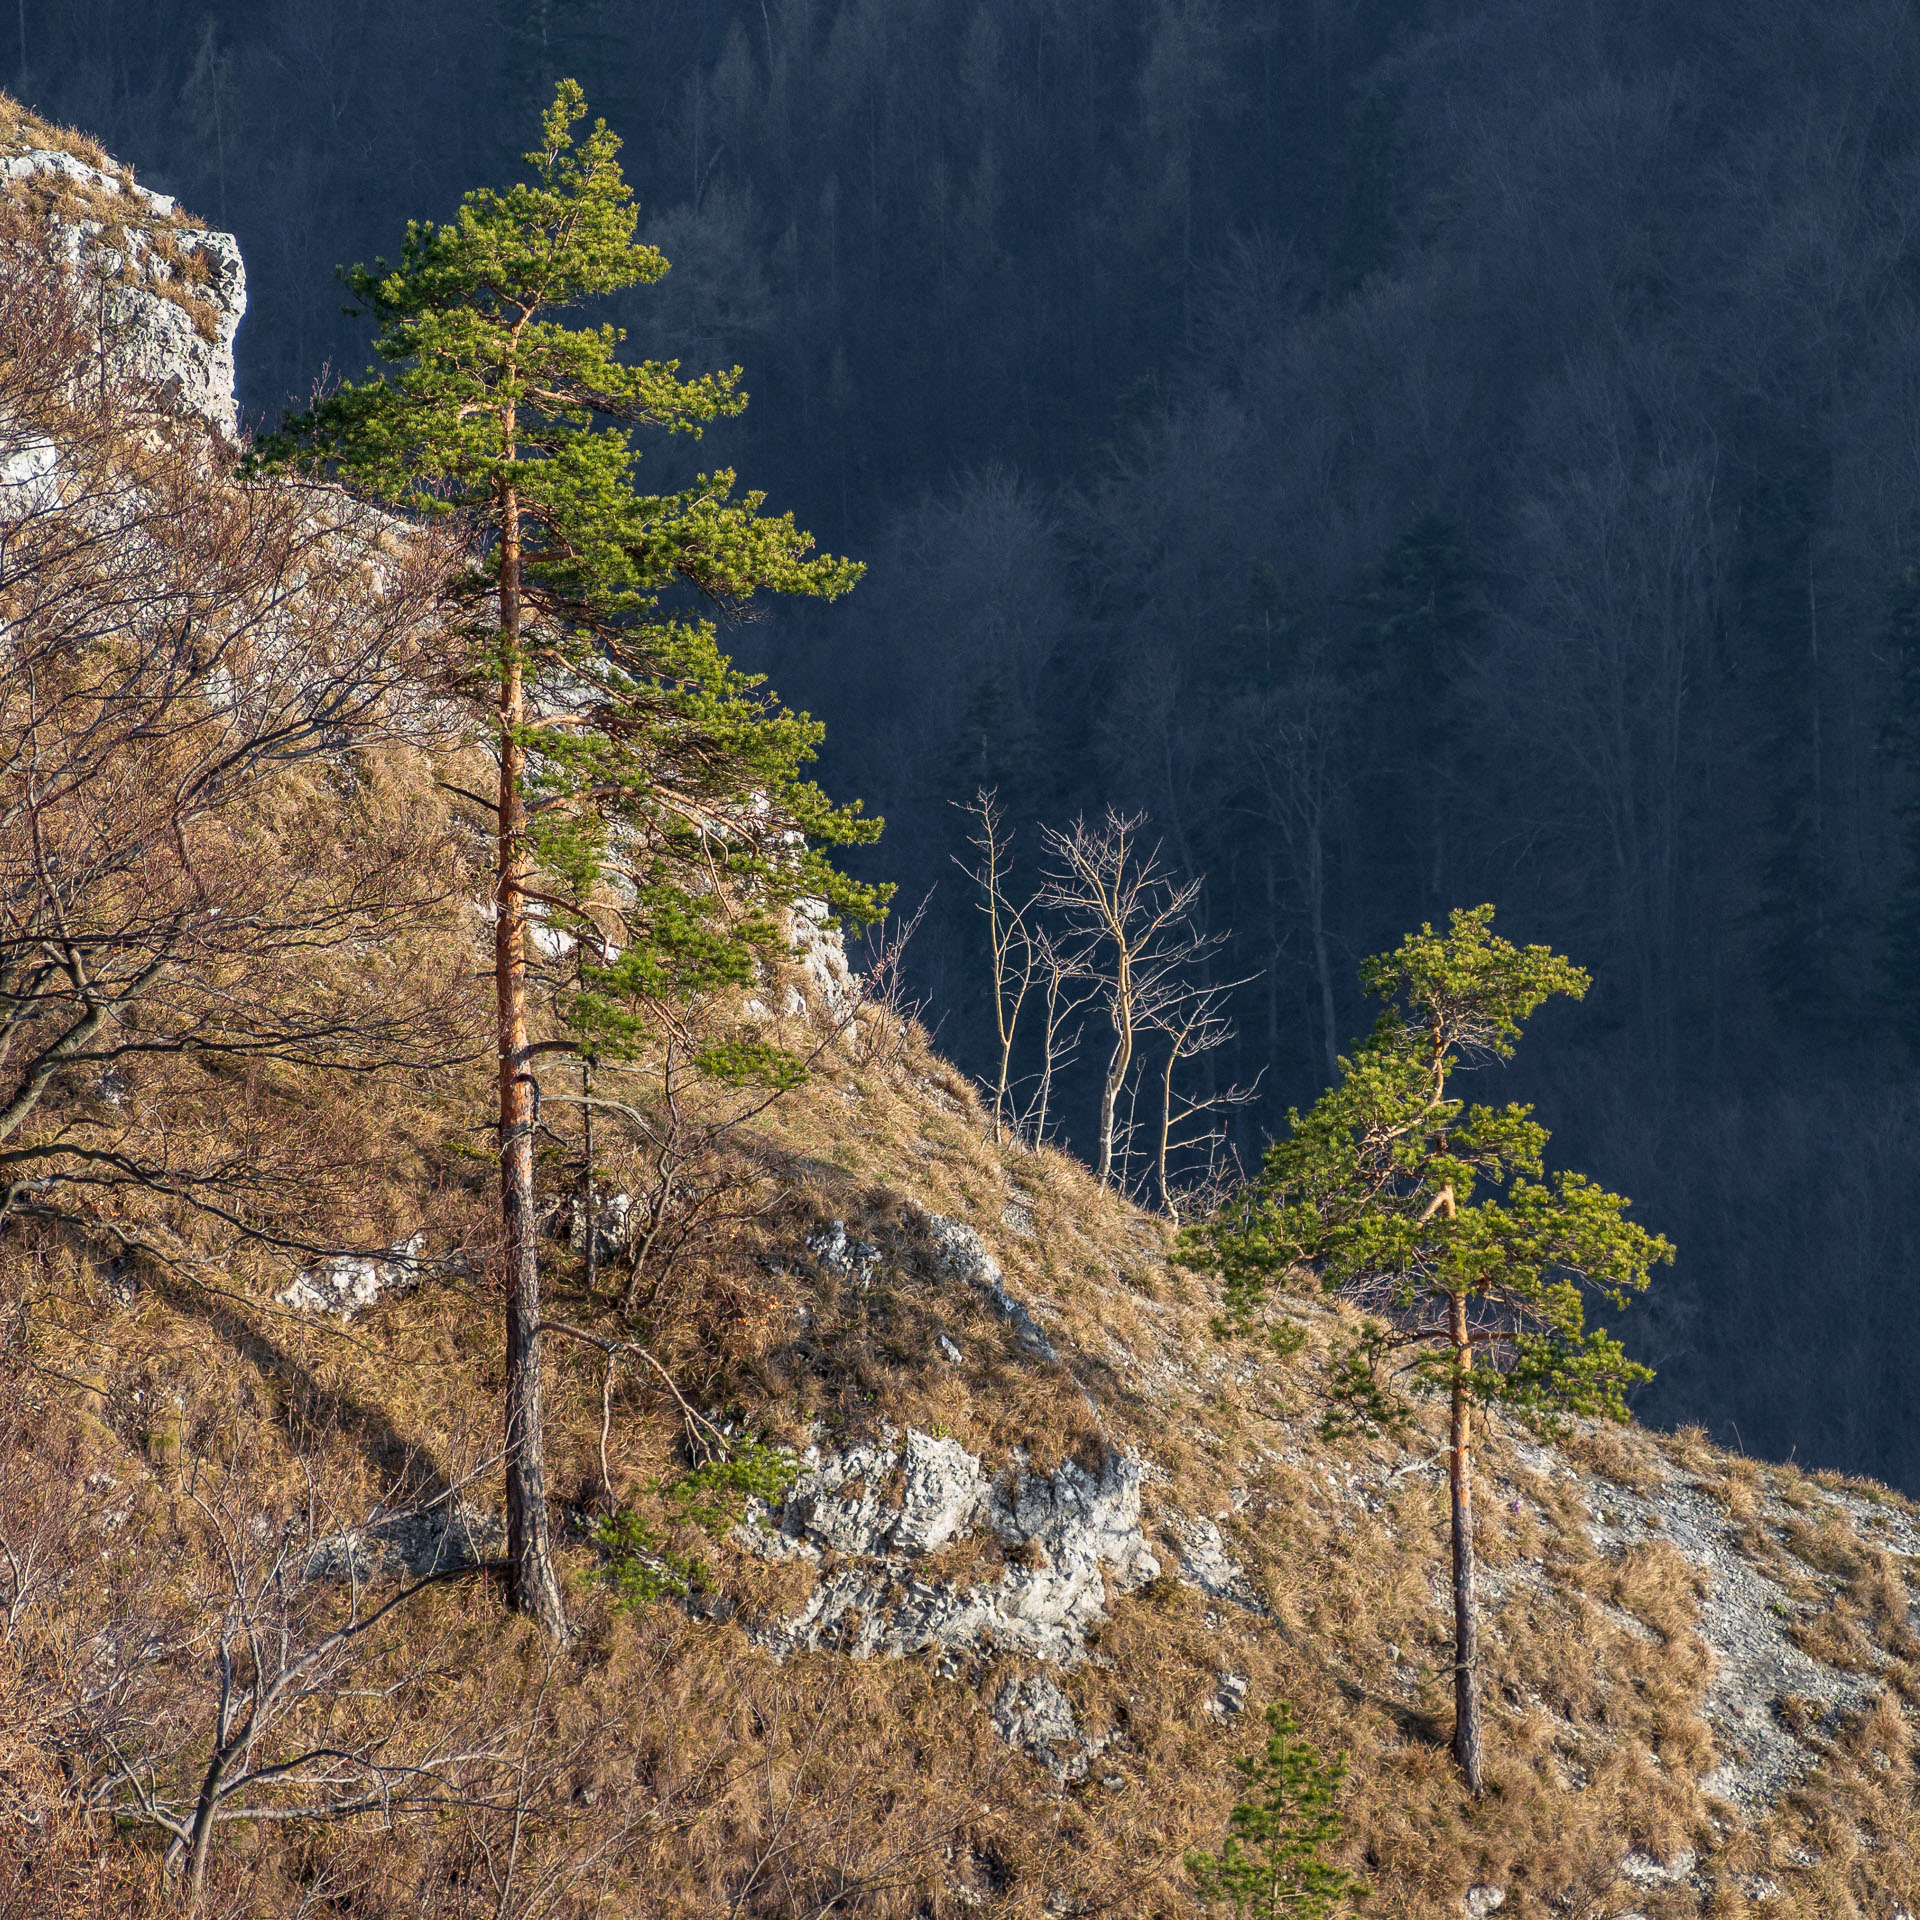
668	1766
131	243
24	131
879	1786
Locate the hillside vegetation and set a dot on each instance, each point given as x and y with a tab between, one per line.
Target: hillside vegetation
1701	1675
927	1549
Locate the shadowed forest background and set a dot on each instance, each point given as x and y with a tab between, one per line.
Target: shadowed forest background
1419	454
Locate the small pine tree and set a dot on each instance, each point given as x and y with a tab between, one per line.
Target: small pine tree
1272	1865
1482	1300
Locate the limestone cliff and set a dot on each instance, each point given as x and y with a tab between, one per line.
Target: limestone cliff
172	292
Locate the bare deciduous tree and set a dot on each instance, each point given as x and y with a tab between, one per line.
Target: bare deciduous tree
1012	942
265	1686
1068	987
1194	1021
1134	918
205	853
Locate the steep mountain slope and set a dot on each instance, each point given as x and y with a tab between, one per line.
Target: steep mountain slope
1042	1547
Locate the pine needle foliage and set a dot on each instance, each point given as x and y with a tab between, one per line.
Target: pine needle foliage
1438	1220
1403	1199
640	1562
650	804
1272	1865
495	407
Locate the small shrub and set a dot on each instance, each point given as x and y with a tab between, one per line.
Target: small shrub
640	1563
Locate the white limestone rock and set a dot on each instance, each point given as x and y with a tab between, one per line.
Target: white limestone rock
1645	1871
1746	1619
963	1255
409	1545
1035	1716
822	951
1206	1564
883	1507
840	1253
349	1283
187	354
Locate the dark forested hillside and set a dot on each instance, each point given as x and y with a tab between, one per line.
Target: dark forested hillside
1420	454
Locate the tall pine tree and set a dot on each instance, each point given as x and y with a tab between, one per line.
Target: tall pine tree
638	773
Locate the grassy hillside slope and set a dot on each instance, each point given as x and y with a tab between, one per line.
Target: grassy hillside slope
1700	1669
1032	1548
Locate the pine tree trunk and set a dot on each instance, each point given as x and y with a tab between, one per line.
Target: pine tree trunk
535	1589
1466	1655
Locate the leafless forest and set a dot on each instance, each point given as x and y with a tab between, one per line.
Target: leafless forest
1417	455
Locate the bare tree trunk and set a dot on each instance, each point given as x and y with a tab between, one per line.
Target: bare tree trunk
200	1846
1006	925
1045	1094
1118	1065
534	1586
1466	1655
1166	1130
1060	1007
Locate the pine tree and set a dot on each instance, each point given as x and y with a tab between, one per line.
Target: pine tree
1271	1865
1372	1193
638	772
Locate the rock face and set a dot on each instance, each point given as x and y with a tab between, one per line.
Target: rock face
176	293
1035	1716
349	1283
884	1509
1746	1618
822	951
839	1253
1206	1564
963	1255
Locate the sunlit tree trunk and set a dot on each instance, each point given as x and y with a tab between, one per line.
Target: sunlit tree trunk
535	1588
1120	1061
1466	1653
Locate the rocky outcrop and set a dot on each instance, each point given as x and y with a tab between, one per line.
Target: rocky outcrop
1035	1716
1206	1564
175	293
963	1255
821	950
874	1516
1748	1619
349	1283
409	1545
